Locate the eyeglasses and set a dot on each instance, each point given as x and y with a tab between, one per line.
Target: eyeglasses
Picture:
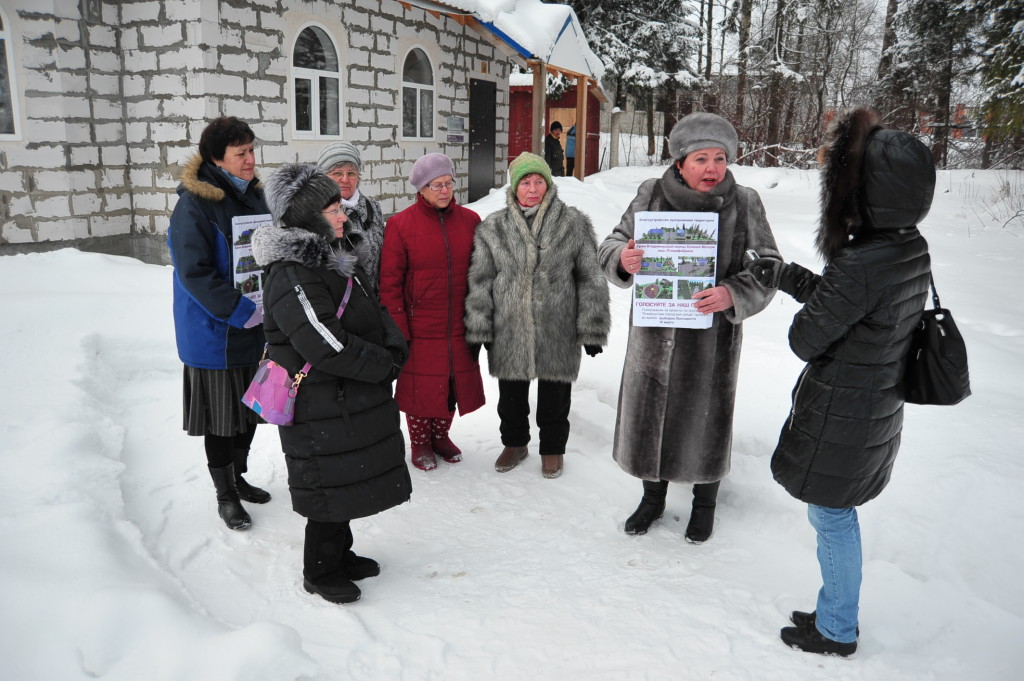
334	211
438	186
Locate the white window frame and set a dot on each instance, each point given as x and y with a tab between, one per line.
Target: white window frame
419	88
313	75
12	77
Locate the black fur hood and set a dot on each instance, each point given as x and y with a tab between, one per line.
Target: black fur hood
272	244
873	180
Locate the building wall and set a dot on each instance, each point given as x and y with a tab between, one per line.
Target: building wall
111	105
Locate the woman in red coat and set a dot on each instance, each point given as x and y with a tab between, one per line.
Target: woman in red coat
423	275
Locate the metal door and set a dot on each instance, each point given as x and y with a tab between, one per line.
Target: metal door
482	123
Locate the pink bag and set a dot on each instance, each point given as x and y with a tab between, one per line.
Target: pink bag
272	391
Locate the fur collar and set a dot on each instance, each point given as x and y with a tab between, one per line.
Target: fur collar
272	244
194	184
842	180
519	217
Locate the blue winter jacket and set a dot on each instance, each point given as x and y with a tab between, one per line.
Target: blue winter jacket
570	143
209	312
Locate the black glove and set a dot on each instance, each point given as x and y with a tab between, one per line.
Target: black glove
593	350
790	278
393	373
767	271
474	351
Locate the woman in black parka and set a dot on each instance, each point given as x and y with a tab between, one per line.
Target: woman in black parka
837	449
345	450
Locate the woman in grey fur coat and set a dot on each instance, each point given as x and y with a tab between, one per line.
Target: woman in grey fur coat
536	296
678	387
365	227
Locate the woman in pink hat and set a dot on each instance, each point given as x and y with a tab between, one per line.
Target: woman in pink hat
423	275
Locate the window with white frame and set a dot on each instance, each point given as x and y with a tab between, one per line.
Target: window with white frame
316	74
417	96
8	92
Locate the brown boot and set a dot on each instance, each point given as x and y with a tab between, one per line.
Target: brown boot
510	458
551	465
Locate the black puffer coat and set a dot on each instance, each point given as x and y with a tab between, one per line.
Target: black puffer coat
838	447
345	451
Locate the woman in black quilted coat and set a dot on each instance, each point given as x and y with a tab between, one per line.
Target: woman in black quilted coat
838	447
345	451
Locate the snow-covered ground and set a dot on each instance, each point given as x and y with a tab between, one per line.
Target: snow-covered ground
115	564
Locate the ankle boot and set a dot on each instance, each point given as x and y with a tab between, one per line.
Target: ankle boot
652	507
229	505
247	492
423	457
702	517
551	465
446	449
510	458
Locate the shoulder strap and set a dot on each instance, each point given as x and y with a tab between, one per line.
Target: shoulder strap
344	300
935	293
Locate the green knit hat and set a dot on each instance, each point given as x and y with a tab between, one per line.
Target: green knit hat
525	164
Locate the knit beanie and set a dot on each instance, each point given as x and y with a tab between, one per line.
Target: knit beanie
428	168
337	153
556	126
297	193
525	164
702	131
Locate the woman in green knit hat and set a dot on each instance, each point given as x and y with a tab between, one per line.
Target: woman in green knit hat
537	298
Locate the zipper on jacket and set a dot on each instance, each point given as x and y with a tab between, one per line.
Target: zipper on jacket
796	394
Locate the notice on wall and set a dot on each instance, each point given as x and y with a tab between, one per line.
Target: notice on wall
248	275
680	253
457	129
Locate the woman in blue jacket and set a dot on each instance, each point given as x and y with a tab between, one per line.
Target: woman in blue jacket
218	330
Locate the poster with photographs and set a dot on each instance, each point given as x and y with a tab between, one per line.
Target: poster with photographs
680	253
247	274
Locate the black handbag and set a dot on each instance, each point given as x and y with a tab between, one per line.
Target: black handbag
937	362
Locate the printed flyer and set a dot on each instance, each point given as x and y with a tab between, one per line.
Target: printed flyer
248	275
680	250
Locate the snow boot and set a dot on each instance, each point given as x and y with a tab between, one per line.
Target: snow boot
652	507
446	449
423	457
810	640
509	458
247	492
551	465
336	591
806	619
702	515
359	567
229	505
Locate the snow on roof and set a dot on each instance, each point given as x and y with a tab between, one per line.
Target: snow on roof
536	30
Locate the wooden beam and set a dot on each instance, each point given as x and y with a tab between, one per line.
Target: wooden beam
581	127
540	96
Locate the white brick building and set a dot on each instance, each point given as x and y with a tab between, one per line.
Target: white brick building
102	101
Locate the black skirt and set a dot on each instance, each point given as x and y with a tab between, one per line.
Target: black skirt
213	401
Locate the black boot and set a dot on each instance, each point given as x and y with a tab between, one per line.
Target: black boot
810	640
651	507
327	546
807	619
702	515
229	506
247	492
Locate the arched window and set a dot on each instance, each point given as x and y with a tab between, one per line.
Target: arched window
8	91
417	96
316	74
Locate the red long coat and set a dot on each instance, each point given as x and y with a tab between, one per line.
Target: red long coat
423	280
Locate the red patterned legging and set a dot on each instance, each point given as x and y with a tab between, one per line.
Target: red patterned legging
421	429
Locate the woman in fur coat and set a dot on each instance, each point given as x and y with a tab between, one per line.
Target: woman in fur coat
837	450
536	296
678	387
345	451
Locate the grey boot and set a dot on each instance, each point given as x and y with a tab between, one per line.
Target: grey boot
229	505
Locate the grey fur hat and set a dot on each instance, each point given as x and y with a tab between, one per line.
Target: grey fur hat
338	153
701	131
296	193
428	168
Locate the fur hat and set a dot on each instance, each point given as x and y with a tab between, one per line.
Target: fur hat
526	164
428	168
873	179
338	153
702	131
297	193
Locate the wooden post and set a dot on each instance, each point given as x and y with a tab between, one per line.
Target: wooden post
579	172
540	101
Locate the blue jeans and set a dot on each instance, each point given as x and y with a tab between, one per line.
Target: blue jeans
840	560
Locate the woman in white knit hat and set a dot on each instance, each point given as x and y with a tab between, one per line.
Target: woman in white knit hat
343	164
678	387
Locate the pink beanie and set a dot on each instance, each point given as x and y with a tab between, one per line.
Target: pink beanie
428	168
